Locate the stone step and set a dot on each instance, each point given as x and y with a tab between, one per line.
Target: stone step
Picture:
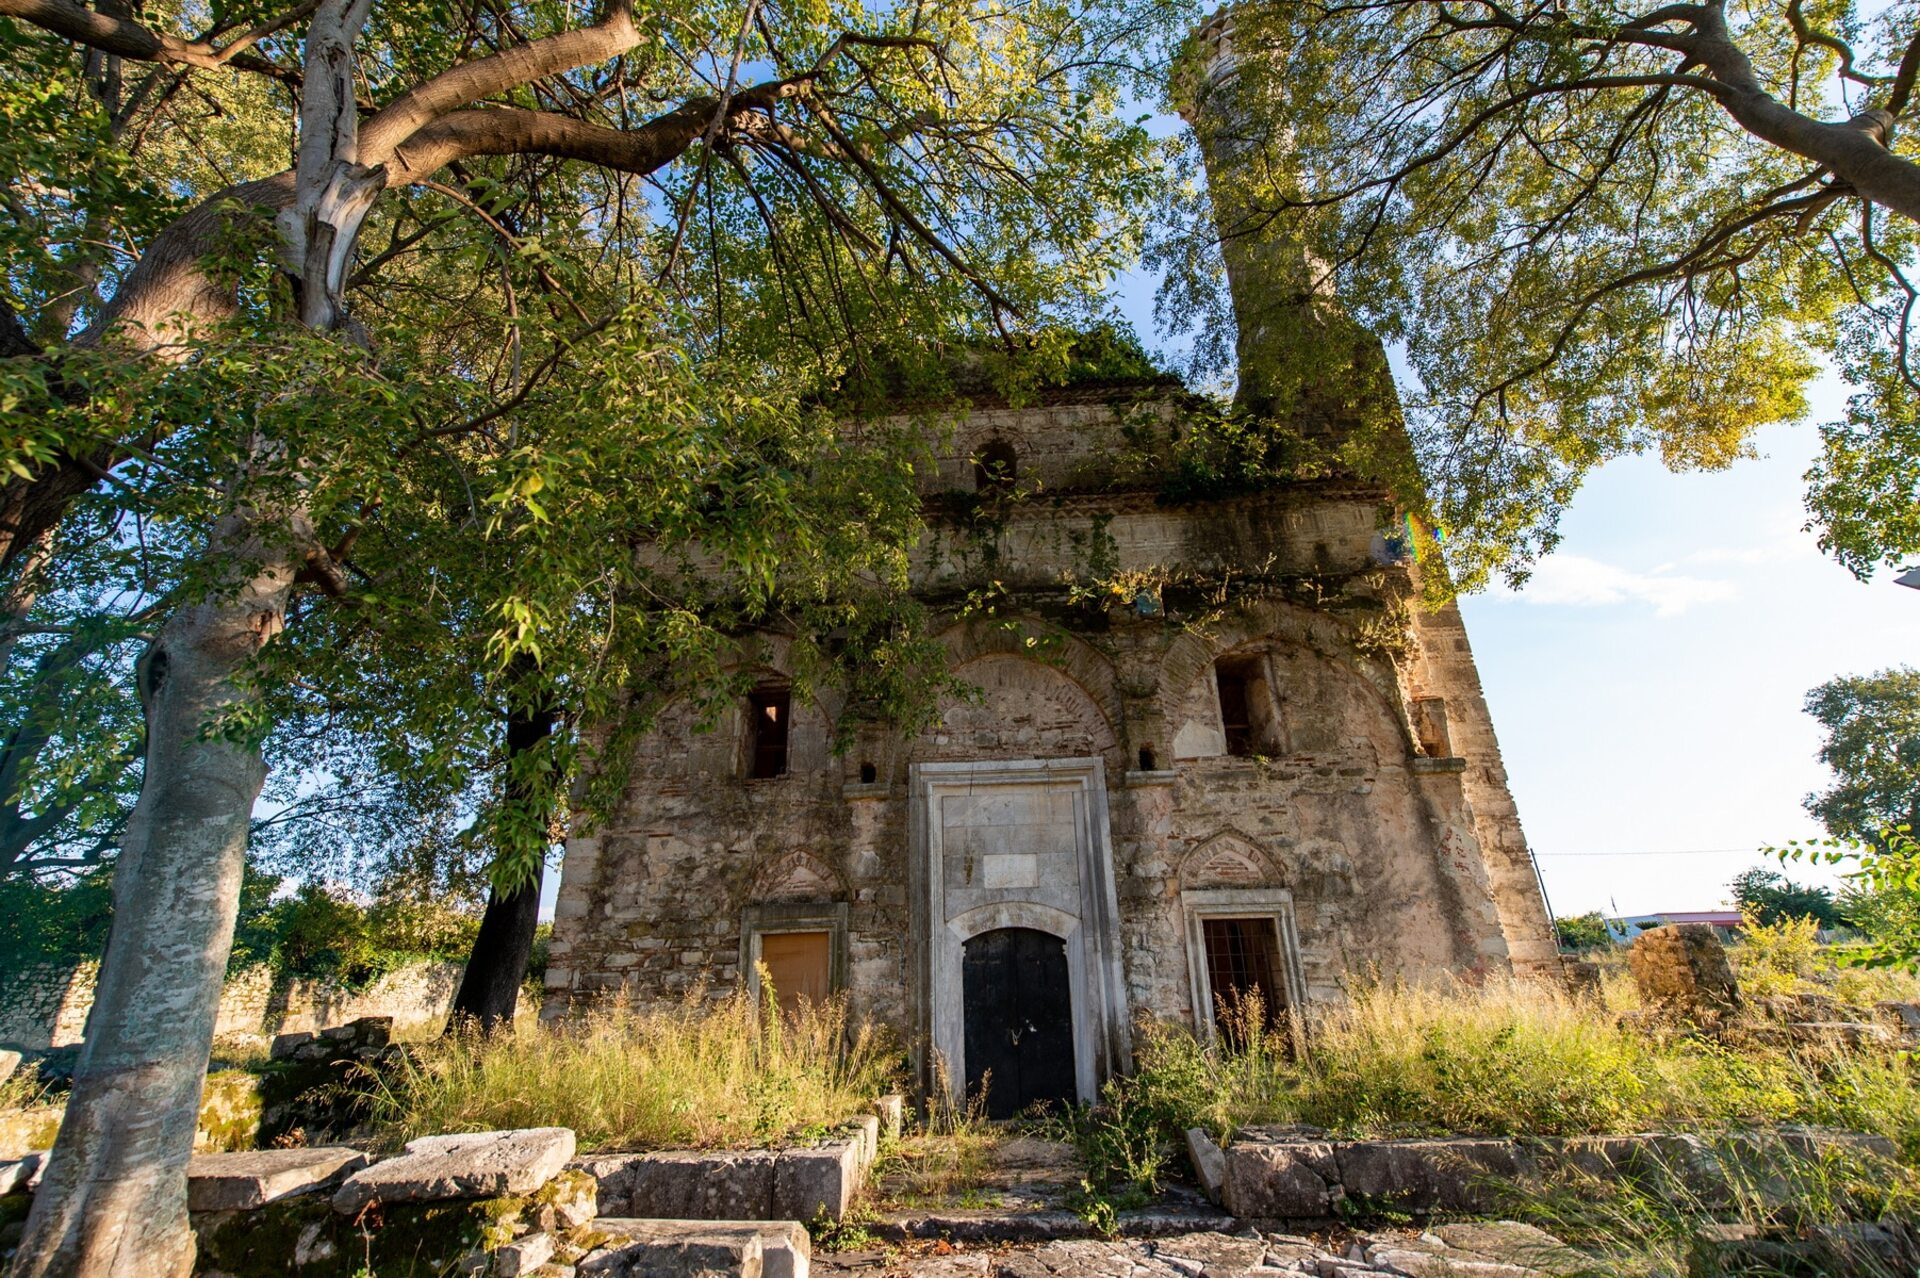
254	1178
1042	1225
465	1165
673	1248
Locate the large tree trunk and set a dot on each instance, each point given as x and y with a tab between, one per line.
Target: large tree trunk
114	1202
490	988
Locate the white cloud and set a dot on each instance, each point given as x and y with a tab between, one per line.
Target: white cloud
1579	582
1775	550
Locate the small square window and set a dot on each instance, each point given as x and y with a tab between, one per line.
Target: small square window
768	710
995	468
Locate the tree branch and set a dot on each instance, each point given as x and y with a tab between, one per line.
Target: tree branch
510	68
125	38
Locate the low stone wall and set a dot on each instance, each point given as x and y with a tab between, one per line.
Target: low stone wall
802	1182
46	1006
1279	1174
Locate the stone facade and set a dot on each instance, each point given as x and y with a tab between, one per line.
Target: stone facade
46	1006
1342	813
1088	787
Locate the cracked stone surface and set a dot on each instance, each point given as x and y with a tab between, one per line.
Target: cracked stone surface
465	1165
1483	1250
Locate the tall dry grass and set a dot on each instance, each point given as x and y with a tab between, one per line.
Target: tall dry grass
1660	1220
700	1074
1517	1058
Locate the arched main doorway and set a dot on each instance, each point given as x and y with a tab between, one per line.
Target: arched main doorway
1019	1019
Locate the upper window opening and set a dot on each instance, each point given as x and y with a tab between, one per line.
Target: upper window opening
1235	721
995	467
1249	712
768	710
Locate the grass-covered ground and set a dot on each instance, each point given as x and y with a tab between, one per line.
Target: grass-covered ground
706	1073
1508	1059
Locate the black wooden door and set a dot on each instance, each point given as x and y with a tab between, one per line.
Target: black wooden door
1019	1012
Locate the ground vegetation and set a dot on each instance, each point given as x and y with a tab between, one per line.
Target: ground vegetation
706	1073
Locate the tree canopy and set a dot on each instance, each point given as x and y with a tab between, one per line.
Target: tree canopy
1592	229
1872	725
377	372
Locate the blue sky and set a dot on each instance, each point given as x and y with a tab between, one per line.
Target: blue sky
1647	683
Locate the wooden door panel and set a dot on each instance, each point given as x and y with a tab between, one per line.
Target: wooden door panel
1019	1019
800	966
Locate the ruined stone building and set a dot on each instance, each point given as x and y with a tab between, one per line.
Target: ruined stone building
1262	766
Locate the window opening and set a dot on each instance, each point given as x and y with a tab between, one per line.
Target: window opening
799	964
868	774
1235	721
995	467
768	710
1243	962
1147	761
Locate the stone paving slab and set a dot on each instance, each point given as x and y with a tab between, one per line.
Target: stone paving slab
1485	1250
254	1178
464	1165
779	1248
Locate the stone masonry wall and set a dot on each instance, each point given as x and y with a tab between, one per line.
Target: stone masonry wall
1376	797
46	1007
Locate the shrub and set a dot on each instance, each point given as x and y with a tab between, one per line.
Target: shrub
1584	932
1777	956
320	932
701	1073
54	923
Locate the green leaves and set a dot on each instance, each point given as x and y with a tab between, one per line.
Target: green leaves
1578	252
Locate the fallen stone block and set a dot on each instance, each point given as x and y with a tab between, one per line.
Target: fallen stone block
1682	970
9	1063
867	1128
891	1110
671	1248
364	1031
21	1175
568	1201
1830	1251
1903	1016
523	1255
243	1181
814	1182
284	1046
1209	1164
1429	1175
464	1165
1842	1033
686	1184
